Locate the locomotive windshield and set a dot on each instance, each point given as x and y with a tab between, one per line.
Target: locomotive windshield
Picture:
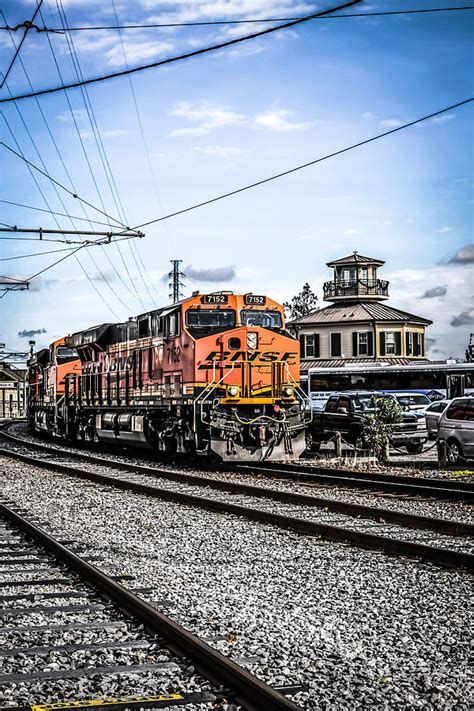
204	321
265	319
64	354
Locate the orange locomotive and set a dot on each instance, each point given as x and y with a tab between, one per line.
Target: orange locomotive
215	373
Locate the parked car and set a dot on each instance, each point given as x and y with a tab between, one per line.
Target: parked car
432	415
344	412
456	428
412	401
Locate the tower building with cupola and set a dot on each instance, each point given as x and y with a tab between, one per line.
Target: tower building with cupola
358	326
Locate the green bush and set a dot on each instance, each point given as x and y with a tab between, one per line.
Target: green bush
378	427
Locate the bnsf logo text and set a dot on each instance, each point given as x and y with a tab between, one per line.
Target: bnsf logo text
260	356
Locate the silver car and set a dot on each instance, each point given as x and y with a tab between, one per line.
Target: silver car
432	415
456	428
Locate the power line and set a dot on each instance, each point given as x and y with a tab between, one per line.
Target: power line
240	22
187	55
21	154
67	214
144	143
42	271
101	151
54	251
106	254
56	182
52	212
17	51
308	164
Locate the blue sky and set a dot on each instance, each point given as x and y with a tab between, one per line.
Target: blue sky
217	122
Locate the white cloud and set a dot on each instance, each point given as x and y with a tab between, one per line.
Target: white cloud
369	116
188	132
391	123
206	115
114	133
142	47
444	118
78	114
351	231
407	285
136	52
307	237
444	230
219	151
278	120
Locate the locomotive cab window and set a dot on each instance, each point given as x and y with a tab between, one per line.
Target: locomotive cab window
144	327
64	354
201	322
265	319
171	325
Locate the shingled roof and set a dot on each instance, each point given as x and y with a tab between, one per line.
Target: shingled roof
350	313
355	258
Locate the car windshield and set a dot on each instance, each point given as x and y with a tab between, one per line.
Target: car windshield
413	400
363	403
265	319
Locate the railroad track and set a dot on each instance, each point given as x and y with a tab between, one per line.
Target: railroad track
439	541
377	481
117	635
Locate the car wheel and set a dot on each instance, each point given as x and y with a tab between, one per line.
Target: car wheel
415	448
312	445
453	452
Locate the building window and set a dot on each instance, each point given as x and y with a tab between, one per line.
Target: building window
362	343
409	343
390	343
309	345
336	345
364	275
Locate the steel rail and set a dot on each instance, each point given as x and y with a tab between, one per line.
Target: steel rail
441	556
302	468
249	691
458	491
444	526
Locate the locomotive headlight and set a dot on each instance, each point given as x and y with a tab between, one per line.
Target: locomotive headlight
288	391
252	340
233	390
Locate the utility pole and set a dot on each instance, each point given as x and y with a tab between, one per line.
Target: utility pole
176	281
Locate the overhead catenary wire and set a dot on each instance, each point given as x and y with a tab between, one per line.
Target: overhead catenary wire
20	154
20	45
53	212
101	152
59	154
54	251
106	254
210	23
297	168
181	57
143	138
59	184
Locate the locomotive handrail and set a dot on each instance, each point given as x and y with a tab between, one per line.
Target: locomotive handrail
213	385
299	390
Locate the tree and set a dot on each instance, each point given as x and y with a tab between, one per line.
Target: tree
302	304
377	428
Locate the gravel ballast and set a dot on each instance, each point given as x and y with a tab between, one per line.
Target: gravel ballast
359	628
